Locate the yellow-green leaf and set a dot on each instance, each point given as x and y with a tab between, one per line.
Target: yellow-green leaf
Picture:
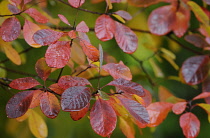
3	72
126	126
109	3
119	18
206	107
103	95
157	70
170	60
37	125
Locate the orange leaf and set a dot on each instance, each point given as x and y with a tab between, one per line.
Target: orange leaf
77	115
179	107
42	69
127	127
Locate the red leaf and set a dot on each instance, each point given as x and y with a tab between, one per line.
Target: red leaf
24	83
124	14
118	71
77	115
19	104
13	9
10	29
42	69
58	54
147	98
76	3
29	29
63	19
38	17
126	38
197	40
69	81
128	86
161	20
90	51
195	69
179	107
72	34
46	36
36	97
138	111
82	27
75	98
158	112
15	2
56	88
83	36
104	27
190	125
103	118
49	104
202	95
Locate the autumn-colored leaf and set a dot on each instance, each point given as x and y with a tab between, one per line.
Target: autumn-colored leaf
78	55
76	3
146	100
56	88
72	34
10	29
125	38
63	19
128	86
158	111
124	14
15	2
19	104
42	69
207	1
58	54
46	36
24	83
197	40
206	107
82	27
179	107
161	20
103	118
202	95
24	117
36	15
127	127
49	104
190	125
37	125
13	9
69	81
195	69
75	98
77	115
103	95
90	51
29	29
118	71
36	98
104	28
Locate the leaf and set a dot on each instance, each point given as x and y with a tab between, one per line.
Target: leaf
76	3
158	111
19	104
104	27
90	51
58	54
202	95
82	27
207	1
77	115
13	9
195	69
109	4
197	40
15	2
124	14
77	55
127	127
49	104
161	20
36	15
137	111
118	17
190	125
63	19
42	69
103	118
10	29
69	81
118	71
179	107
24	83
46	36
75	98
206	107
37	125
125	38
56	88
128	86
103	95
36	98
29	29
72	34
24	117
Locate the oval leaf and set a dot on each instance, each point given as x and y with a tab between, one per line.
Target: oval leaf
63	19
103	118
58	54
190	125
13	9
195	69
126	38
104	28
49	104
42	69
124	14
56	88
77	115
10	29
38	17
46	36
127	127
19	104
179	107
75	98
82	27
128	86
202	95
35	100
76	3
24	83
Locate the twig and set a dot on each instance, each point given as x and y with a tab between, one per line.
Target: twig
83	70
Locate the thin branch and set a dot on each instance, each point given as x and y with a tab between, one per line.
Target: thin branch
59	74
83	70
